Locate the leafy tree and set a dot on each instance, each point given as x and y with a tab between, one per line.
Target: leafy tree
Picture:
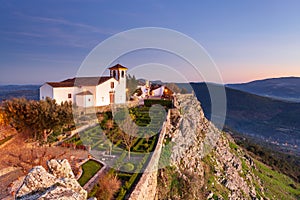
38	119
21	115
132	84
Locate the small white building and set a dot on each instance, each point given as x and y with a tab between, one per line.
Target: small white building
89	91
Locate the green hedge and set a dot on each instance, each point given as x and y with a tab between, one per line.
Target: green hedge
150	102
128	167
127	187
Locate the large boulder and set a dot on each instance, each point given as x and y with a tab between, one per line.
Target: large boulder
37	180
60	168
58	184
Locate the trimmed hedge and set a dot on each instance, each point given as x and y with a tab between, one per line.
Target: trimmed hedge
128	186
150	102
129	167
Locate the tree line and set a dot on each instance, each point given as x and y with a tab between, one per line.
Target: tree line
37	119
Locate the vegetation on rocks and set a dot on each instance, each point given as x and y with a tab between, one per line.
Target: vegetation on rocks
286	163
277	185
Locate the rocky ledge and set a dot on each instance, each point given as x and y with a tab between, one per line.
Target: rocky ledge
58	183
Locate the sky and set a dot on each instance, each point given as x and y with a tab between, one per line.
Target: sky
247	40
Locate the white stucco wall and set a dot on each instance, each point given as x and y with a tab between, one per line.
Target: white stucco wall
85	100
92	89
102	92
158	92
120	90
46	91
100	97
60	94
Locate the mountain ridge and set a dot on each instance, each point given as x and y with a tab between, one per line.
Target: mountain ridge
283	88
261	117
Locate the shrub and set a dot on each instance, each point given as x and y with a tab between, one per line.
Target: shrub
109	184
128	167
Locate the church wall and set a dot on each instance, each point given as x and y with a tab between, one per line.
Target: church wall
46	91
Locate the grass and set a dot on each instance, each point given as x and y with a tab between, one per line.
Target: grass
277	185
233	146
89	168
212	185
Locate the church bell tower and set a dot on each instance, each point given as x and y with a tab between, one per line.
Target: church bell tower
118	72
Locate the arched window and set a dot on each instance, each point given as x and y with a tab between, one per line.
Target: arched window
122	74
114	74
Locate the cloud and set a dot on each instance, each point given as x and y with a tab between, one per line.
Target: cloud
57	21
23	33
47	31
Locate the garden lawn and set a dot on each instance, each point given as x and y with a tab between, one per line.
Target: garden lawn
89	168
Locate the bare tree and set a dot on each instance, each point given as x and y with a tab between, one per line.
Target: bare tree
129	133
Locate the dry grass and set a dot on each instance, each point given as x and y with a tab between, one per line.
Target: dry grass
18	153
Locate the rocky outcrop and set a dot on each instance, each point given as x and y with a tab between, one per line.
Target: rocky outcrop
201	150
58	184
60	168
229	172
194	136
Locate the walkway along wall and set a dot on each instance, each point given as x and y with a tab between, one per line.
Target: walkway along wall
146	187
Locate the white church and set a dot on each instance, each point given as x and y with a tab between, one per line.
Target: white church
89	91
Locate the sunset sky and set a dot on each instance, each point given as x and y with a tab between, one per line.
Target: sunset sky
48	40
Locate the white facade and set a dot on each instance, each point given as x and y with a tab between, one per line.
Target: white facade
46	91
120	88
105	91
64	94
85	100
158	92
60	94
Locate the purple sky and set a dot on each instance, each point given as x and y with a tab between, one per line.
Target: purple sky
48	40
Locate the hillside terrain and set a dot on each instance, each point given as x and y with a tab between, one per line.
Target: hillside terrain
203	162
30	92
287	88
273	121
207	164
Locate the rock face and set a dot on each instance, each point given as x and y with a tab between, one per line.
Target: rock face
58	184
194	136
201	150
60	168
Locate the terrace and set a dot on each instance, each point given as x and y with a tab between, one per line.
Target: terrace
106	144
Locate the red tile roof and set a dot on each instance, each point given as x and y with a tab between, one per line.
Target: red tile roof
80	81
117	66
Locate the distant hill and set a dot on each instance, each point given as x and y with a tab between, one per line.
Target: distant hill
287	88
264	118
30	92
